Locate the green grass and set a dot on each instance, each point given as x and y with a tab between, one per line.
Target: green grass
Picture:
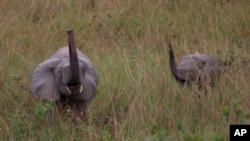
137	98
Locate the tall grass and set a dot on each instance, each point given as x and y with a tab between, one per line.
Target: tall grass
137	97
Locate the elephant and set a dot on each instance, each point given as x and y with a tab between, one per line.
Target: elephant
68	78
199	68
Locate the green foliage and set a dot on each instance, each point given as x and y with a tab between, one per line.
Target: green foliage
137	97
44	111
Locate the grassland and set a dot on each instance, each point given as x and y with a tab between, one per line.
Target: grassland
137	97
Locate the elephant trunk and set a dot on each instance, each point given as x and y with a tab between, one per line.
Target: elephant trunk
74	64
173	67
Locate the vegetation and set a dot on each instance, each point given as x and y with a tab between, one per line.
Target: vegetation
137	98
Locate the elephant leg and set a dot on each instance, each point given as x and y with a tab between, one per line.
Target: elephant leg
59	106
83	109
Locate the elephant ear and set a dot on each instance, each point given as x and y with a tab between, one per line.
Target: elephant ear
89	80
43	84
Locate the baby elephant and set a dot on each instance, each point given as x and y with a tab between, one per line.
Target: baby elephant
199	68
68	78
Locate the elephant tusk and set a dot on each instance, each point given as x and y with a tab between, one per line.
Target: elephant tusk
81	88
68	90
